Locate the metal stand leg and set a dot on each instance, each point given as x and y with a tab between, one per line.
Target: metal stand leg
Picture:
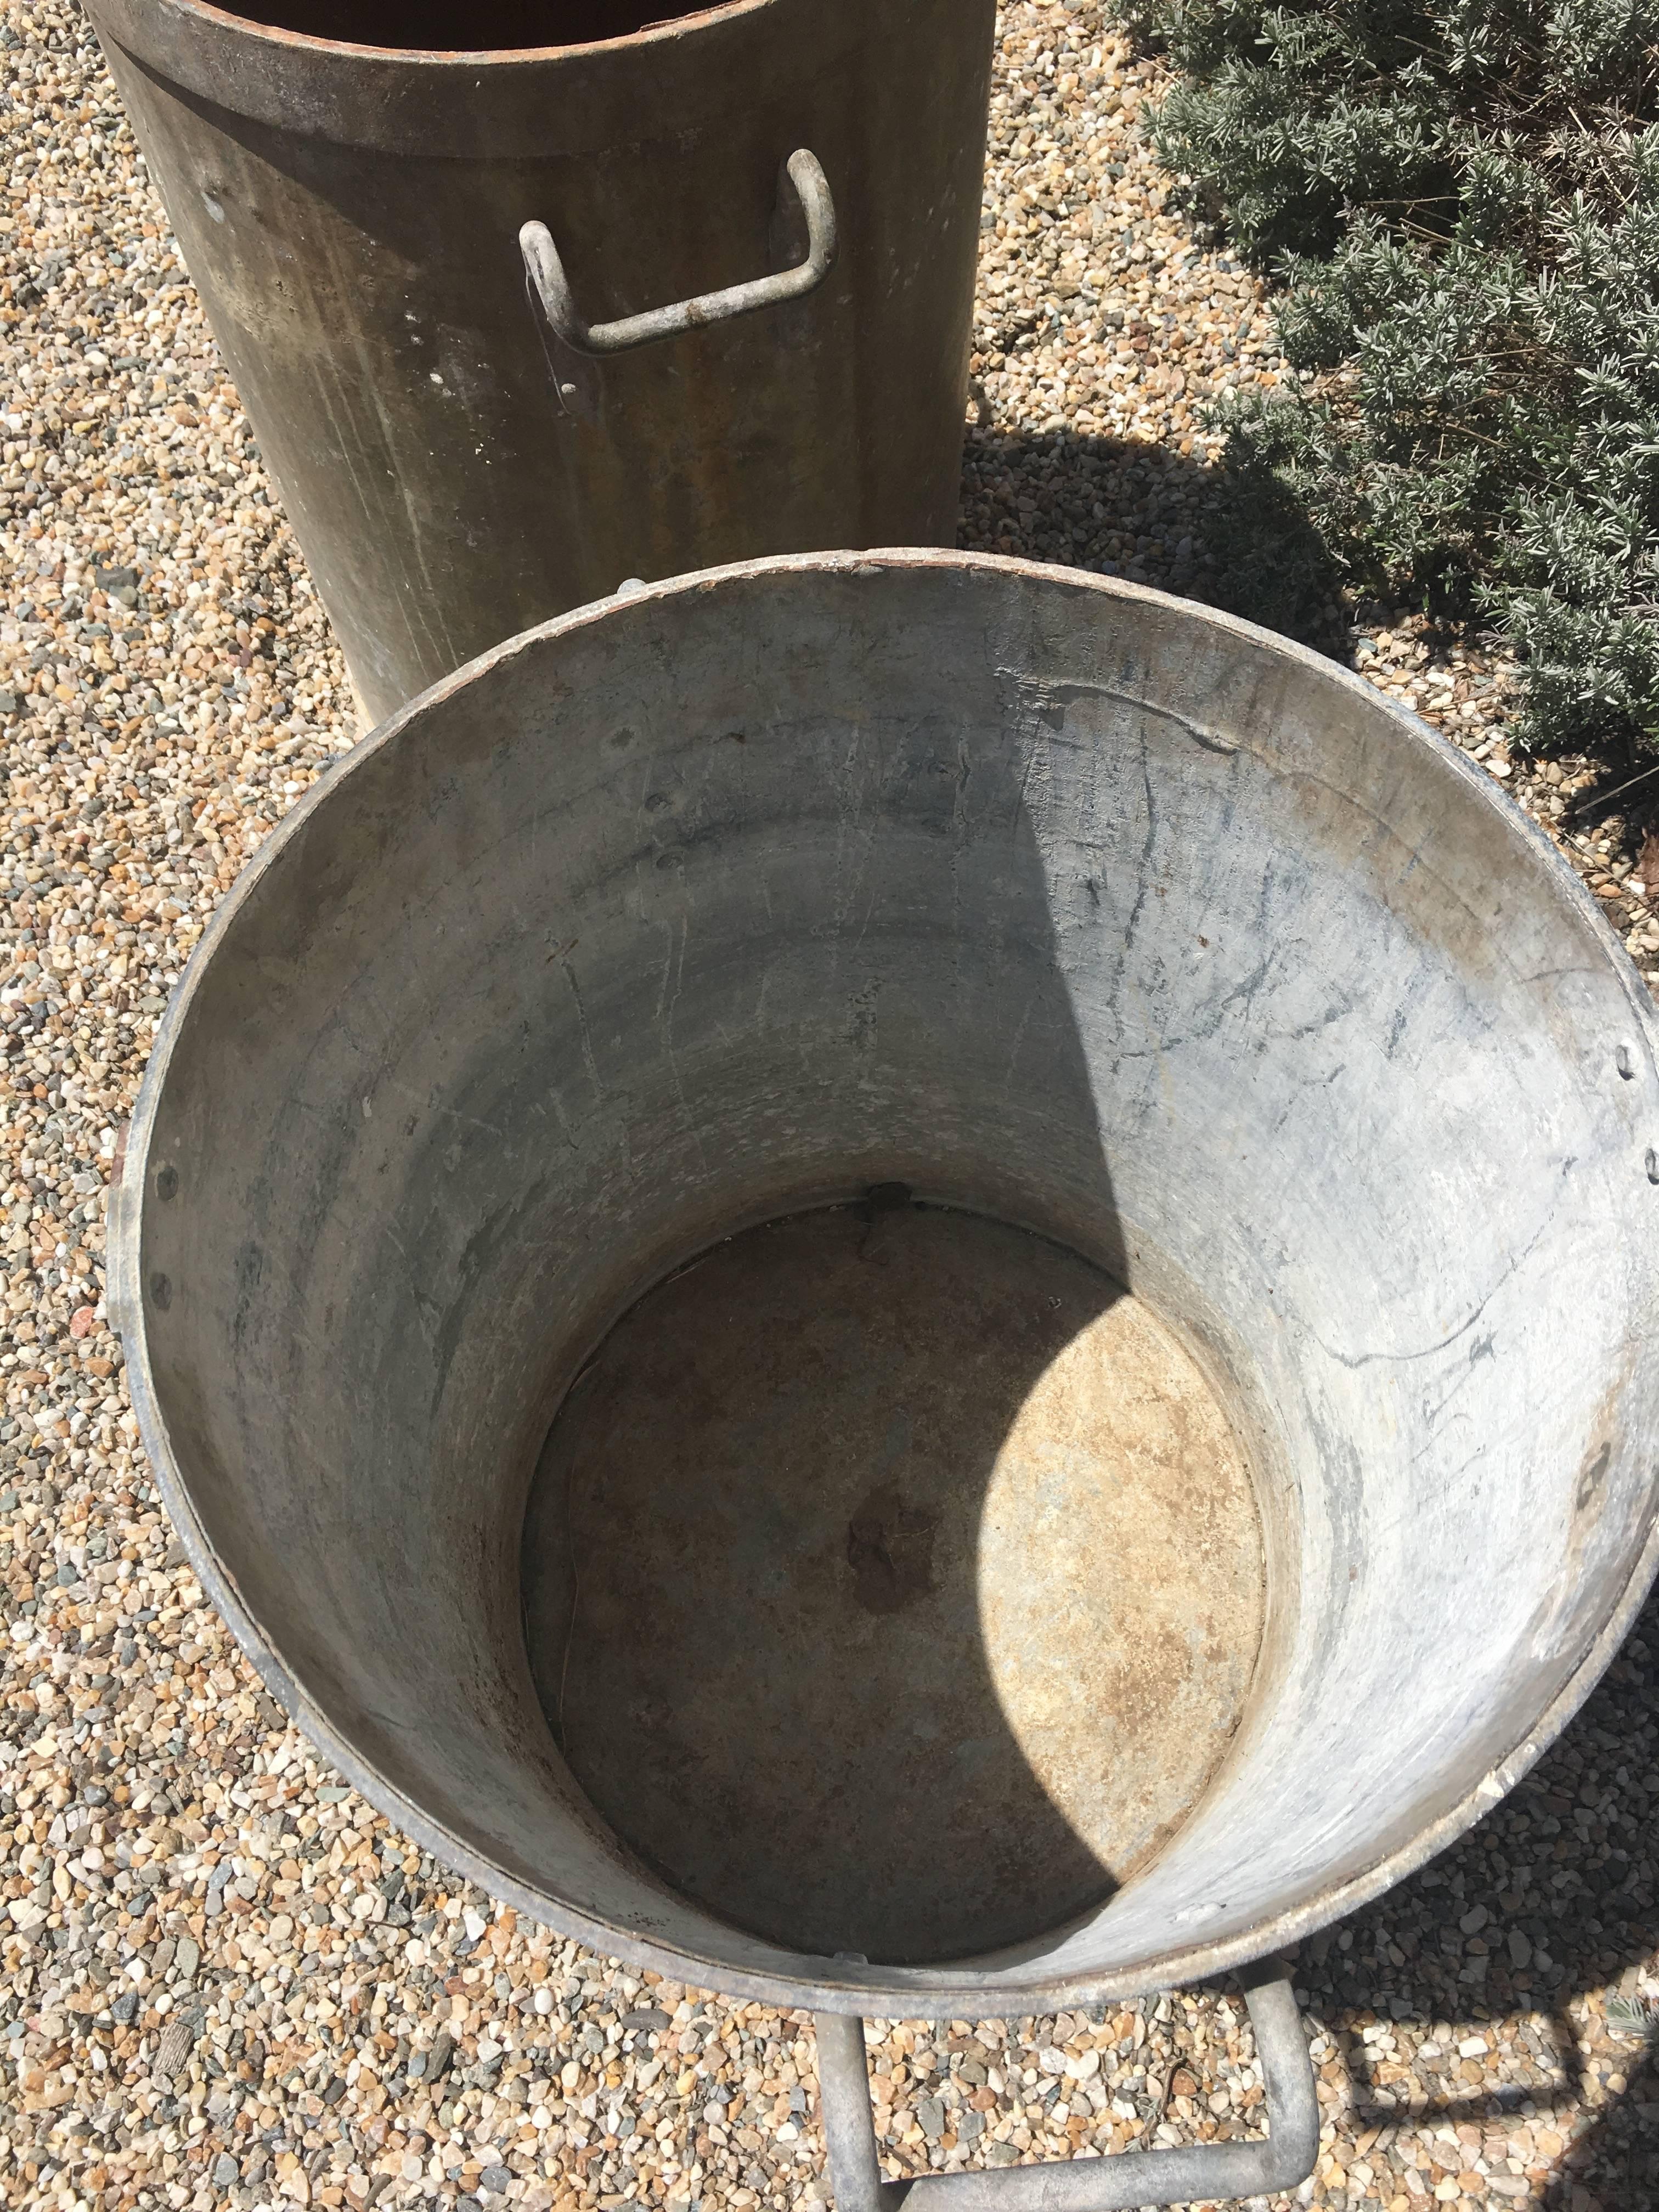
1188	2174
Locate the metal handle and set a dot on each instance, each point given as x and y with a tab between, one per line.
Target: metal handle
802	173
1187	2174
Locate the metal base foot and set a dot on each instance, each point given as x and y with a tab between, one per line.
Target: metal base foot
1187	2174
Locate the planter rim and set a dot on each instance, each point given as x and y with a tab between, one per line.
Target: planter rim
495	103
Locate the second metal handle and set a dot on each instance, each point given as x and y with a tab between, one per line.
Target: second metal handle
803	175
1187	2174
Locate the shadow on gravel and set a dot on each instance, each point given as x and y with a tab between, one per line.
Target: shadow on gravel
1145	510
1554	1894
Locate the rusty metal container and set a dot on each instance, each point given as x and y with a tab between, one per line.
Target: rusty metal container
914	1285
737	322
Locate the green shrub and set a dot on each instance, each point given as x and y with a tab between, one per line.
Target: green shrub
1463	203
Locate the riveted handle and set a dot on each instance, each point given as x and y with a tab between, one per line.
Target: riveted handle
1184	2174
802	177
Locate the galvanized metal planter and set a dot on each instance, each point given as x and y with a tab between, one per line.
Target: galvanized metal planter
462	444
1062	905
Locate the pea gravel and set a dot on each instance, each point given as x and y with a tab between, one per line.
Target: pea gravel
226	1981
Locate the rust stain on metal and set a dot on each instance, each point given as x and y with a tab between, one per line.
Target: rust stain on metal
890	1548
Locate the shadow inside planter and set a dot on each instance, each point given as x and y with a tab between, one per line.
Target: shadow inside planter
778	1591
448	26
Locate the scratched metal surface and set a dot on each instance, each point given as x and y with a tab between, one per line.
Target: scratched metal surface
350	217
1089	911
893	1582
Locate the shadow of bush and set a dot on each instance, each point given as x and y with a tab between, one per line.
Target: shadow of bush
1231	535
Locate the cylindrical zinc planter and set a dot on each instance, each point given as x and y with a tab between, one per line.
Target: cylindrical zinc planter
1276	1079
465	441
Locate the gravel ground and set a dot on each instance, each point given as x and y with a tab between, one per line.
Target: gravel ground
226	1980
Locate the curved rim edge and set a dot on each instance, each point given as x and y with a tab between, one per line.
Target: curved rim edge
231	19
